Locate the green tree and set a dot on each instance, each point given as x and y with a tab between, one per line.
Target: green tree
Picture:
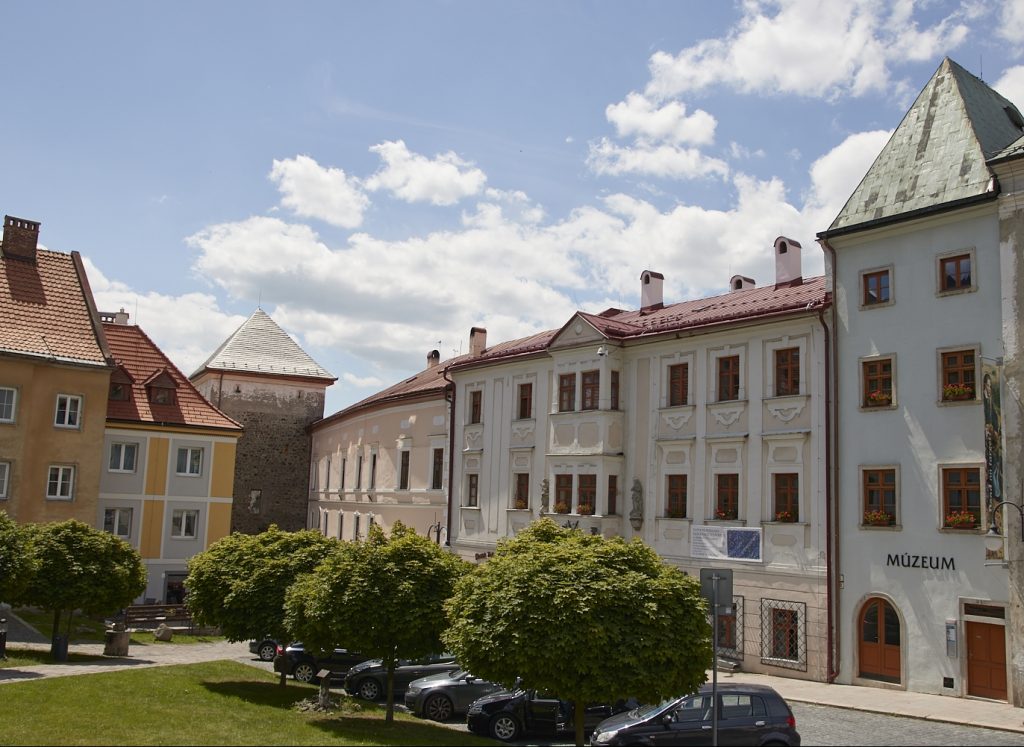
15	562
238	584
76	567
383	597
589	618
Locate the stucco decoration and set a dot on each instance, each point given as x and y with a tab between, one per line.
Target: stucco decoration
522	430
786	411
677	420
636	514
727	416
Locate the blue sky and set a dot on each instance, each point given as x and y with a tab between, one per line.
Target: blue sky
381	176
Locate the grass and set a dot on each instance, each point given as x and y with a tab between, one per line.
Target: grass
17	658
90	630
221	702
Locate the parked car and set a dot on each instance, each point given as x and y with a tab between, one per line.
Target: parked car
265	648
304	666
511	715
441	696
748	714
369	679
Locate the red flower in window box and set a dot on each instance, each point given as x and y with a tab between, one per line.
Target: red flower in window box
961	520
879	398
585	509
561	508
723	515
877	519
522	503
785	516
955	392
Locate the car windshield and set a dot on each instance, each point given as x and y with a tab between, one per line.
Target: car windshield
650	710
460	674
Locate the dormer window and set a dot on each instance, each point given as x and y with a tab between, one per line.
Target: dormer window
160	388
120	385
161	396
118	392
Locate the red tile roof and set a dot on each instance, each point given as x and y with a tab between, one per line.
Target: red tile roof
45	308
143	361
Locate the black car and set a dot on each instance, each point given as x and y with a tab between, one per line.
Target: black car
748	714
511	715
369	679
265	648
304	666
441	696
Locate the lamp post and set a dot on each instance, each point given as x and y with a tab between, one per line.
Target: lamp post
993	537
3	637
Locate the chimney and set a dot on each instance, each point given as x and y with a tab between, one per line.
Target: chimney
740	282
787	262
651	290
121	317
477	341
20	238
433	358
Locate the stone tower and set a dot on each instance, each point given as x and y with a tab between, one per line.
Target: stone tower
262	378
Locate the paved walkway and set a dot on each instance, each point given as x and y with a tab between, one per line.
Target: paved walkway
969	711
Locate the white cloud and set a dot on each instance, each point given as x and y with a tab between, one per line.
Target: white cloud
443	180
835	175
738	151
807	47
1011	85
667	161
641	118
363	382
1011	22
312	191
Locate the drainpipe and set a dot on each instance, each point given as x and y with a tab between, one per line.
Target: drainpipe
831	478
449	395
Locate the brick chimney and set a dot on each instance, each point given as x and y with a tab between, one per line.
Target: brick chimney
20	239
433	358
651	290
477	341
787	262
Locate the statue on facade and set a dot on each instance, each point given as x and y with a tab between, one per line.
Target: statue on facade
636	514
544	495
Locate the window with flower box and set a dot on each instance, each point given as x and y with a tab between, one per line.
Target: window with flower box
787	371
876	375
678	385
879	496
567	392
961	497
591	388
728	378
522	496
586	494
563	494
675	496
786	496
958	375
727	496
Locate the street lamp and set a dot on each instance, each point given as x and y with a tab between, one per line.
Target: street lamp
993	537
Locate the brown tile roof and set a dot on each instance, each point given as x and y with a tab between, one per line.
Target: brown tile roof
143	361
45	309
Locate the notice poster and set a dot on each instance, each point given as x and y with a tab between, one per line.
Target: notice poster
725	543
991	380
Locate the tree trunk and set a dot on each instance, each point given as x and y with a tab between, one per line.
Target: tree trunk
56	628
577	718
390	687
325	692
284	677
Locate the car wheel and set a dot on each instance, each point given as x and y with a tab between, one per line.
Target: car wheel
304	672
368	689
267	651
504	727
438	708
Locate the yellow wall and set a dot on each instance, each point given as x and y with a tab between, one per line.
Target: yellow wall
219	524
152	529
223	477
156	469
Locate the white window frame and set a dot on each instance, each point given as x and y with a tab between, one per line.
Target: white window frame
13	404
727	352
181	516
117	512
666	364
65	478
5	479
68	399
125	445
188	461
770	349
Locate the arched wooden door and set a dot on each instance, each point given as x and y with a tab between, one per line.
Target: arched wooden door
879	641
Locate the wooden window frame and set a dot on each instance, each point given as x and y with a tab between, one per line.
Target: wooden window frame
437	469
476	406
786	495
959	373
675	496
472	490
526	400
521	499
613	389
567	392
679	384
787	371
968	502
785	634
956	262
727	496
403	470
872	281
873	378
728	377
586	494
563	492
590	389
612	507
873	494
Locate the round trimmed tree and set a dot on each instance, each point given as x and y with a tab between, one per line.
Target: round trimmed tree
15	562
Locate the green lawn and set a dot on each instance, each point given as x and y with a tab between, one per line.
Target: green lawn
220	702
89	630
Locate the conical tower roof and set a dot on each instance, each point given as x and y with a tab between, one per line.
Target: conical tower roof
937	154
260	346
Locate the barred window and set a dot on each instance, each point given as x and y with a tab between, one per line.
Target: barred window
784	634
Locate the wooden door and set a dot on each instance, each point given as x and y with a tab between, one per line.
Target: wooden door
986	660
879	646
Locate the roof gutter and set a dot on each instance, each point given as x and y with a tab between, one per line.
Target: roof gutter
924	212
449	395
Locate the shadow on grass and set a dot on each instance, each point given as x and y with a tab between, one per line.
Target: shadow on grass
35	657
261	693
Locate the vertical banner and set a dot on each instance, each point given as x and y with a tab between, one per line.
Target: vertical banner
991	380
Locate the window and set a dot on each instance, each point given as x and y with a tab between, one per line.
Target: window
476	399
785	634
69	411
728	378
787	496
437	473
184	523
190	461
6	404
61	483
876	288
613	494
5	478
787	372
614	381
341	524
567	392
472	490
373	471
955	273
122	457
958	382
727	496
161	395
119	392
327	475
359	472
961	497
522	496
586	494
877	381
118	521
525	401
355	526
403	472
678	385
879	497
727	630
730	629
591	389
341	481
563	493
675	497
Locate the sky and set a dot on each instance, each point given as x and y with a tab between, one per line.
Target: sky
381	176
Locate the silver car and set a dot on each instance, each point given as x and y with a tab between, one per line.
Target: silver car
441	696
